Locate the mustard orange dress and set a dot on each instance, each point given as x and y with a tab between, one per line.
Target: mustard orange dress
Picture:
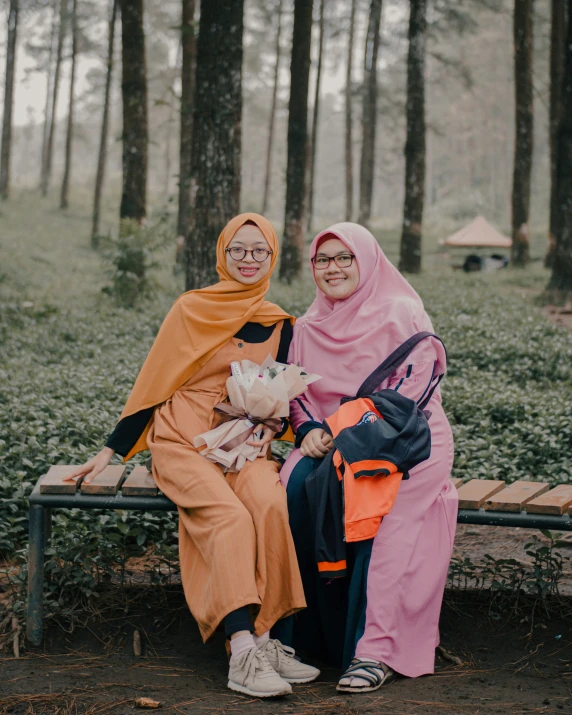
235	544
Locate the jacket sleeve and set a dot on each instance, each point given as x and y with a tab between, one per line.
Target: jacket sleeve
302	410
417	375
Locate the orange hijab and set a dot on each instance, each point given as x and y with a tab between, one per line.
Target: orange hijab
200	323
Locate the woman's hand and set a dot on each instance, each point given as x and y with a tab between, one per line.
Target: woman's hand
265	437
91	469
316	444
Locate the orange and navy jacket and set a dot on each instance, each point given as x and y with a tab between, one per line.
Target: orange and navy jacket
378	439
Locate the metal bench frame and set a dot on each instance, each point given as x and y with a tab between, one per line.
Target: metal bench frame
41	506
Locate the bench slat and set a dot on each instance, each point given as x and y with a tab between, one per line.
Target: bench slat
140	483
52	482
516	495
473	494
556	501
107	482
457	481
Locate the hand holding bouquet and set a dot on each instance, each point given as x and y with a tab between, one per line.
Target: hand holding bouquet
259	397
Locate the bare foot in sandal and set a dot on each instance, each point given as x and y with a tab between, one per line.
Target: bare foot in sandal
364	676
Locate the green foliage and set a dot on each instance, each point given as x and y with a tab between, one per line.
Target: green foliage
130	259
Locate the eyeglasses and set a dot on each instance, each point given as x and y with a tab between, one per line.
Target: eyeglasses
344	260
259	254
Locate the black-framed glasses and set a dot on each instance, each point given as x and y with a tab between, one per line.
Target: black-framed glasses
259	254
344	260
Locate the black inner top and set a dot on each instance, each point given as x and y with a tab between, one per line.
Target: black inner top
129	429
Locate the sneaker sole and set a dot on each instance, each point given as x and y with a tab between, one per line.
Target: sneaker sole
243	689
299	681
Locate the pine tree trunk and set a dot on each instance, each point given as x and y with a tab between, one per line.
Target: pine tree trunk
557	53
523	131
216	149
188	67
560	285
315	120
268	175
369	113
102	156
411	233
57	74
349	118
293	244
64	197
6	147
134	91
46	128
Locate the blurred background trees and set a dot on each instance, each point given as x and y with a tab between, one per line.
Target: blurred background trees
252	105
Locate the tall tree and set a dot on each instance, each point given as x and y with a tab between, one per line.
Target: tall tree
272	121
64	197
522	27
49	79
293	244
6	147
134	91
315	118
102	155
369	113
560	284
188	63
349	117
557	53
410	251
216	148
57	74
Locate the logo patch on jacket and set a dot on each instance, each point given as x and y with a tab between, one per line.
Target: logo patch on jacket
367	418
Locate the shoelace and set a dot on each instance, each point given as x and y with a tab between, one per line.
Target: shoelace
256	660
282	651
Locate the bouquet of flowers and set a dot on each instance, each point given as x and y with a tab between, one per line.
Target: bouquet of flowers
259	396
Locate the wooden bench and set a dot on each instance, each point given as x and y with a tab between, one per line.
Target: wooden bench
531	505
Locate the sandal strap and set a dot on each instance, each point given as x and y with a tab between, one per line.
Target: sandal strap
369	670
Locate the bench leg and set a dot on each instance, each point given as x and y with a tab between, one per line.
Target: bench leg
37	543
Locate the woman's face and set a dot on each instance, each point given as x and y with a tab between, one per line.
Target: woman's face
248	270
336	283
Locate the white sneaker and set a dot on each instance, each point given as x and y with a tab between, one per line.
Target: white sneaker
281	658
251	673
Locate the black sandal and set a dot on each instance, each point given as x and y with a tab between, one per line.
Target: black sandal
370	672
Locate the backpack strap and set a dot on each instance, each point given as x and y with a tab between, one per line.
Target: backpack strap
390	365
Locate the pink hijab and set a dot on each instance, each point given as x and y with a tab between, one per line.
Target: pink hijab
344	341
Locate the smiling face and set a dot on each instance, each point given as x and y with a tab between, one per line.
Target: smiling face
336	283
247	270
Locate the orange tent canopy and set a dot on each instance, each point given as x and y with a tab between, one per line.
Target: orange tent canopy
478	233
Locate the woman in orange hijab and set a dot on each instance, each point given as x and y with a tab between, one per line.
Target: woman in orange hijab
238	563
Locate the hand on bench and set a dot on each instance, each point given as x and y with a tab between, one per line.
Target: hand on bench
93	467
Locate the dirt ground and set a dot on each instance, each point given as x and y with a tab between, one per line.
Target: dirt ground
512	662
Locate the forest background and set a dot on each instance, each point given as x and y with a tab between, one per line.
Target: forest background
82	294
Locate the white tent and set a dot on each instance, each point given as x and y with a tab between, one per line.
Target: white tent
479	233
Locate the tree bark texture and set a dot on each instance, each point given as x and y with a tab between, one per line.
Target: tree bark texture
315	119
349	118
134	91
293	244
523	131
188	66
102	155
557	53
47	107
411	233
216	148
6	147
64	197
369	113
561	278
57	74
272	121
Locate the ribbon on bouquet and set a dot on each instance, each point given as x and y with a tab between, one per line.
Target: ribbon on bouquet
229	412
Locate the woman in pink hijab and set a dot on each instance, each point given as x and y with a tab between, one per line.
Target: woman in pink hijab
382	619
